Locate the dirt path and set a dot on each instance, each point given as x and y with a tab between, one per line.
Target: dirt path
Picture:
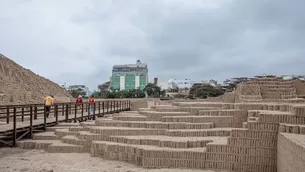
18	160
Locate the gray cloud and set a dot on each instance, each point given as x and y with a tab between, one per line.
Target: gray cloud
177	38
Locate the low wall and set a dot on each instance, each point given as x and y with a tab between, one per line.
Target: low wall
135	106
143	103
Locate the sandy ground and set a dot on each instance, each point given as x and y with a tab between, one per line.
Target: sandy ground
18	160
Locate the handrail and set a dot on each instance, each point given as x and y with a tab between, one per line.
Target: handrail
41	104
60	111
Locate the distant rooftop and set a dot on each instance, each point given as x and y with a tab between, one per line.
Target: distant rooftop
138	64
74	86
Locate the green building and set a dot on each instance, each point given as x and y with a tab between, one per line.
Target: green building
129	76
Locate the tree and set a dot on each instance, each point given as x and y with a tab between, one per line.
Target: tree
96	94
105	86
204	91
77	92
153	90
104	89
111	95
163	92
232	86
135	93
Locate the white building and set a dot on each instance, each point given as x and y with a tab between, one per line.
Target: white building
173	83
186	84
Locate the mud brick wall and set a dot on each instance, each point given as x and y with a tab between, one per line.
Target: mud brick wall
197	133
250	97
292	128
218	121
145	109
150	157
264	106
33	145
290	153
278	90
264	89
195	110
228	157
130	118
157	116
174	109
162	141
258	126
153	124
296	100
228	106
192	110
89	136
249	89
229	97
298	110
199	104
175	125
239	116
112	131
73	141
162	107
137	105
300	87
248	150
133	124
281	118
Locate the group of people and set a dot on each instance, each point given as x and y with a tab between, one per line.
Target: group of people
91	101
49	101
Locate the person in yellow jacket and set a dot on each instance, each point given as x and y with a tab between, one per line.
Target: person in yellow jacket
48	102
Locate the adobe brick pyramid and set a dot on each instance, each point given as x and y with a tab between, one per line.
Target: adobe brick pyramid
240	137
21	86
265	90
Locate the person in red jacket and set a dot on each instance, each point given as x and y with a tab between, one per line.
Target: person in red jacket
79	101
91	103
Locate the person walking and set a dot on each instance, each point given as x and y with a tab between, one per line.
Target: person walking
79	101
48	102
92	104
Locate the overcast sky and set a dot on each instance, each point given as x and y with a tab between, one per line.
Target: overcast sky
79	41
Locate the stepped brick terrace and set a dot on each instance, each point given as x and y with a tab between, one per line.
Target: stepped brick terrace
260	127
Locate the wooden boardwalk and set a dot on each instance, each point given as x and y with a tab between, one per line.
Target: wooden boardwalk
23	120
4	128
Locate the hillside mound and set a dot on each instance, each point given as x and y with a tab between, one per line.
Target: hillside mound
22	86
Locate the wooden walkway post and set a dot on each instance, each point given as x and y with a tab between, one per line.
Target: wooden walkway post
56	113
75	112
14	128
67	113
7	114
45	118
31	122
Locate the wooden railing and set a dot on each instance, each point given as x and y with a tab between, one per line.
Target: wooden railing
25	119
